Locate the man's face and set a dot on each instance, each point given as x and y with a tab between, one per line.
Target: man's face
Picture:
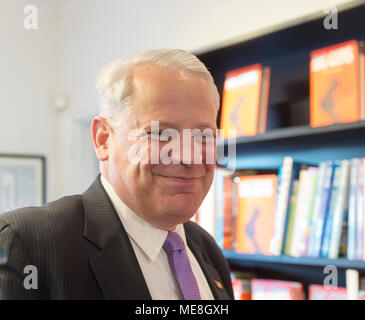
163	194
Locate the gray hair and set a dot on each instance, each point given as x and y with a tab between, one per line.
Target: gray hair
114	83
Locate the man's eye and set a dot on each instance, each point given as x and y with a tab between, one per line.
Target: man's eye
155	135
204	137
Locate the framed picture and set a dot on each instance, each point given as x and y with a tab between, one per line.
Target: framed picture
22	181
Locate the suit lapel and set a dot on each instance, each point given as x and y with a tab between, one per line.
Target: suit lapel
118	273
115	267
211	274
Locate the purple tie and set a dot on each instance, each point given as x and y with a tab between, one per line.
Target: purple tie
180	265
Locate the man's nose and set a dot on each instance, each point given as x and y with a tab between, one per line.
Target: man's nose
190	152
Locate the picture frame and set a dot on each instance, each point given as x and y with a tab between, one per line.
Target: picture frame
22	181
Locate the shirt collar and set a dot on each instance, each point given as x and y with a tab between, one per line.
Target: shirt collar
149	238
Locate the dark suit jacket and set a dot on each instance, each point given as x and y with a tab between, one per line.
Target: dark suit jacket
82	251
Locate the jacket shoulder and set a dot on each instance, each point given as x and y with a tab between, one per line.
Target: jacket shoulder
43	220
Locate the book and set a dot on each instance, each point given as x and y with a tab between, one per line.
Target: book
336	95
352	284
362	177
245	101
256	203
351	251
301	213
294	219
309	223
323	209
288	173
263	289
319	292
362	78
328	223
340	210
219	206
289	229
359	247
286	178
264	99
316	209
229	216
242	289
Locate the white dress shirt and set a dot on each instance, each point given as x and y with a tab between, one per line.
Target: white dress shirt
147	242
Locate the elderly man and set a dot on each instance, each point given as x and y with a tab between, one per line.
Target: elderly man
129	236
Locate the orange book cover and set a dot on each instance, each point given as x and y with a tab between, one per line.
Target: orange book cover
335	84
255	220
241	101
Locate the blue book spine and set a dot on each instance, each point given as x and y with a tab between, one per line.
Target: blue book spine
325	201
329	218
316	209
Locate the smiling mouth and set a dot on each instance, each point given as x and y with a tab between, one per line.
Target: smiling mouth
180	179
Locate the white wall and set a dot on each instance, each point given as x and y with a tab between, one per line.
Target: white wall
77	37
27	80
93	32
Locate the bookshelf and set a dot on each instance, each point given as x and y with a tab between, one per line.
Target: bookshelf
305	269
286	50
303	143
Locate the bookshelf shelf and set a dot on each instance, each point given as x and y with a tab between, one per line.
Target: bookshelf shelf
303	143
249	260
300	133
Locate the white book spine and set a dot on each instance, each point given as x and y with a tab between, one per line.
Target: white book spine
359	213
282	206
301	212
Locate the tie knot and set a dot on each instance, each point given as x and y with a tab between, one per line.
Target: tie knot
173	242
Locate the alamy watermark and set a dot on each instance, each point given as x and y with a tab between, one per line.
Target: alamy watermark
331	19
30	21
330	281
169	146
31	280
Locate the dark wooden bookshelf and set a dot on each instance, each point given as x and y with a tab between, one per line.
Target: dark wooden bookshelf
305	269
303	143
287	50
300	132
251	260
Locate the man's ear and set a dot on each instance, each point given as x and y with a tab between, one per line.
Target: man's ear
100	131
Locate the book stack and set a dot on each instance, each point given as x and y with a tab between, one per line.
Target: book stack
300	210
250	287
337	91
